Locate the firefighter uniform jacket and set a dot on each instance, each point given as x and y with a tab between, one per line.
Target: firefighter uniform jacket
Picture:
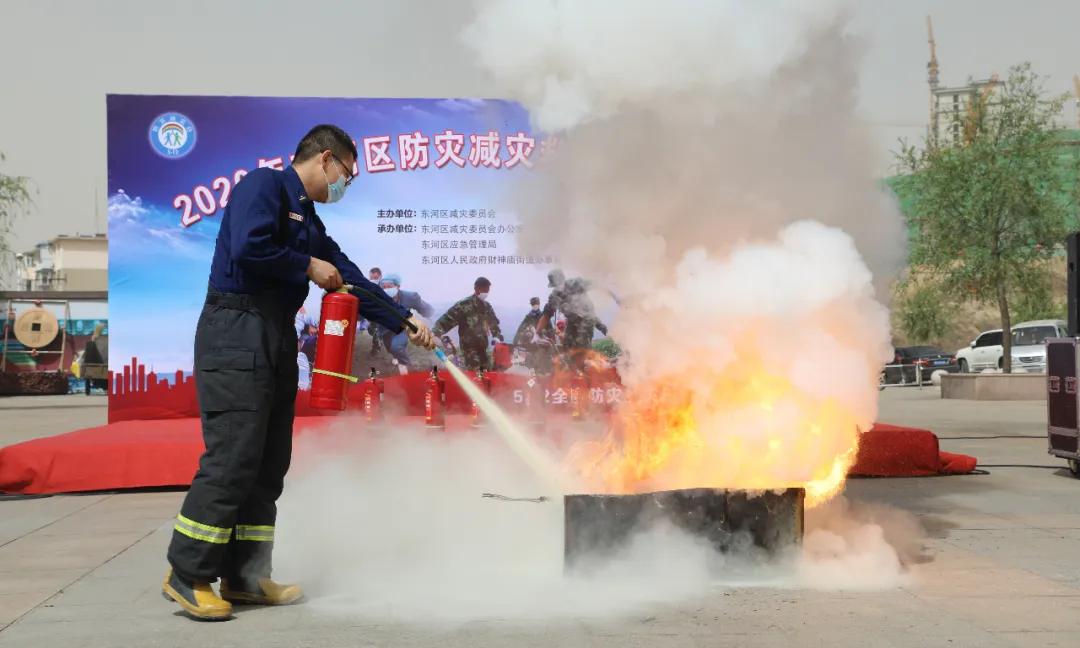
268	235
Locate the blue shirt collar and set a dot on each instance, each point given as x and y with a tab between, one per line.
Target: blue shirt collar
296	190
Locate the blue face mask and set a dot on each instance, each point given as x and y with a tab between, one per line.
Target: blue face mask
335	191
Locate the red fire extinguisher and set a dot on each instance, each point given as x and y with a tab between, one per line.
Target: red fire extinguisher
484	383
502	356
334	351
579	396
435	400
373	396
535	399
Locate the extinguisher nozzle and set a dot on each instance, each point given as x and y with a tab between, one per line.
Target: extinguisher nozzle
440	354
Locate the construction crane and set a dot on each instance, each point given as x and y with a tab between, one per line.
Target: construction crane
932	78
932	64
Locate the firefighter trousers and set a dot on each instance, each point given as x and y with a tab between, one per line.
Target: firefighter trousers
245	378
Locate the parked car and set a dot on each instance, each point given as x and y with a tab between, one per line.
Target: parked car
911	359
1028	347
984	352
1029	343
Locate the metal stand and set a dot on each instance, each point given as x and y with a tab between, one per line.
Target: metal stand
903	378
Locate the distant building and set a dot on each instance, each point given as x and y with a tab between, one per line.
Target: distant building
950	108
66	263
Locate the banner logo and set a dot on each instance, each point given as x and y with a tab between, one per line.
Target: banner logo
172	135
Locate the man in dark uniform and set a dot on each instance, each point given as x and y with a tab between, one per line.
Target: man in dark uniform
474	319
270	245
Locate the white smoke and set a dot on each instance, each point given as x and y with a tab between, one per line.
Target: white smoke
711	172
858	546
573	61
394	527
699	124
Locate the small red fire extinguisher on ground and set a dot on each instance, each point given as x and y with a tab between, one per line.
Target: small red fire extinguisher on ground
535	398
331	375
484	383
502	356
373	395
434	400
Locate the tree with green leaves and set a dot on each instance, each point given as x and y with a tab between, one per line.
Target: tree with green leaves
14	199
924	313
988	212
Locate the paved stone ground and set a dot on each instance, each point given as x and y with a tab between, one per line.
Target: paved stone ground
31	417
1002	566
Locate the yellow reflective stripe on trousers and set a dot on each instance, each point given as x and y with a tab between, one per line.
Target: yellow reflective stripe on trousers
255	533
200	531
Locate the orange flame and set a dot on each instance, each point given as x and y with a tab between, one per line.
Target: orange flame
743	427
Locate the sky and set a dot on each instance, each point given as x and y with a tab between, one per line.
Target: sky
63	56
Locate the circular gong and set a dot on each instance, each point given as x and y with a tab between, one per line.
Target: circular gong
36	328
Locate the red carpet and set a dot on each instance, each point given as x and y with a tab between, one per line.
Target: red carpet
128	454
139	454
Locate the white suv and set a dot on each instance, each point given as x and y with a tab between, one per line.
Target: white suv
1028	347
1029	343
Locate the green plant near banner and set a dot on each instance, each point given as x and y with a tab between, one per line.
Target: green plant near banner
608	347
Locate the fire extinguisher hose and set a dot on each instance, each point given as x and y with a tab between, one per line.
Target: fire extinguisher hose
334	374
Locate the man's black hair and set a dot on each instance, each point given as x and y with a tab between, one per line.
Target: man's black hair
481	282
374	270
534	300
323	137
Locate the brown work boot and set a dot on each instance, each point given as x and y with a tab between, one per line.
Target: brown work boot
197	599
262	592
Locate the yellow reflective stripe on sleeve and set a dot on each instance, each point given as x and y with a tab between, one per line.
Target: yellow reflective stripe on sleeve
199	531
255	533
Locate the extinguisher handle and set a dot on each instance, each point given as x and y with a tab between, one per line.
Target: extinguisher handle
382	302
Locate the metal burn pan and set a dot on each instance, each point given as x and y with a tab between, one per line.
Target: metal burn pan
598	526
